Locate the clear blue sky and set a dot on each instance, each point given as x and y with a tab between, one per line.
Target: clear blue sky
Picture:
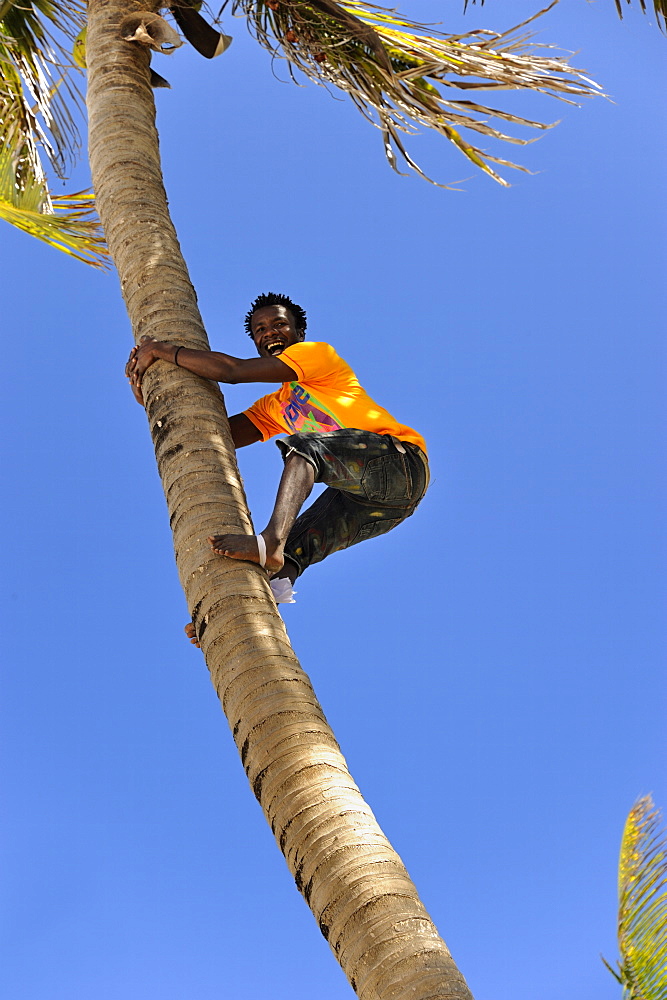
493	669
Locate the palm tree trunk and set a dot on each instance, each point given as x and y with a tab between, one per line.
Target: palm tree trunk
359	892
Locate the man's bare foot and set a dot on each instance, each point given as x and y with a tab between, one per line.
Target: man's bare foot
191	634
245	547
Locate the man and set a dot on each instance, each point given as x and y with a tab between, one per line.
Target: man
376	469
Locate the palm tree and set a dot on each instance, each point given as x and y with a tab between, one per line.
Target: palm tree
642	905
360	894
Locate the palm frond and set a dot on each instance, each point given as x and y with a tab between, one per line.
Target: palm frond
642	911
66	222
395	72
30	49
37	106
660	7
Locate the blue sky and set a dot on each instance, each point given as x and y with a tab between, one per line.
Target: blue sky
493	669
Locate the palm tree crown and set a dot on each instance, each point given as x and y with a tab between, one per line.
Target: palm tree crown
400	74
397	72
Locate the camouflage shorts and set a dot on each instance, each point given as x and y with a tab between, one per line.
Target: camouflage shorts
374	482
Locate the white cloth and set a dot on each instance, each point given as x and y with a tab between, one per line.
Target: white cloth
282	590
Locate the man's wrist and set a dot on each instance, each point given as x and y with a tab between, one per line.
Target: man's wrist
163	350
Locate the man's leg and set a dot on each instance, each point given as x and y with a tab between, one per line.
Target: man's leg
295	486
373	486
335	522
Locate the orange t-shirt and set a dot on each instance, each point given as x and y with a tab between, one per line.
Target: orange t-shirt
326	397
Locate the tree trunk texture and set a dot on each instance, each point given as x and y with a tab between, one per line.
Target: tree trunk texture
360	894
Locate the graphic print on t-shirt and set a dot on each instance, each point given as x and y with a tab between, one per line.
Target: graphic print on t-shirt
302	412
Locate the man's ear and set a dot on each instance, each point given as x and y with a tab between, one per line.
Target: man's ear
301	334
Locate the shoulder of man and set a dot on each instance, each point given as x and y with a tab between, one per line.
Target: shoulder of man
313	347
313	359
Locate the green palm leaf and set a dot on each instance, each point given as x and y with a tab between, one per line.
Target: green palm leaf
31	51
67	222
398	78
37	107
642	908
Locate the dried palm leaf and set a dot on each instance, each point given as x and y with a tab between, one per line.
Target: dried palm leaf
660	7
396	76
642	908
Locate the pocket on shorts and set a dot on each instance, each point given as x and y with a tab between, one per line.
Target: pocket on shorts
379	527
386	479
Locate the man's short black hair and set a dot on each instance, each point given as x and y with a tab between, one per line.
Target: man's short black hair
274	299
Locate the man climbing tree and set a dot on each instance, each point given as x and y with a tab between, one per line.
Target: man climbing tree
375	468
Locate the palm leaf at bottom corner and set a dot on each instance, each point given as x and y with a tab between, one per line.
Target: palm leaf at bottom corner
642	928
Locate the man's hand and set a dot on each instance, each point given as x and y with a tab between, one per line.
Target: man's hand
135	384
142	357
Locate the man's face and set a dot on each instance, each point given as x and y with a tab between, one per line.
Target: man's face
273	330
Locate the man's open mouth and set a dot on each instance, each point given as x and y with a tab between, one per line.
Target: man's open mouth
274	347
